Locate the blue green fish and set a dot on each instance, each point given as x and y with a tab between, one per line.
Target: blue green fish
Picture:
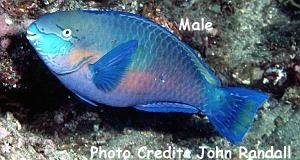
126	60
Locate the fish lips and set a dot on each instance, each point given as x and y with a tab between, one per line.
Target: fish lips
32	32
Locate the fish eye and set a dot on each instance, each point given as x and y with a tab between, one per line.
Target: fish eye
67	33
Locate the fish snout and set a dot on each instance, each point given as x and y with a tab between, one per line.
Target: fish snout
31	35
32	32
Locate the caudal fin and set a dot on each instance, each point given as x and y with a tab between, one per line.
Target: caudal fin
236	112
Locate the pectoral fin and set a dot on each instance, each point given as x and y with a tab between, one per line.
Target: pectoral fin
108	71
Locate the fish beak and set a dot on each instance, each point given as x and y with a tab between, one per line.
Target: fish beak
31	35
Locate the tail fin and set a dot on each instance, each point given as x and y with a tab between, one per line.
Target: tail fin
236	112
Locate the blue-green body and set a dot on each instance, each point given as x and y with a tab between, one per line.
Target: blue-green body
121	59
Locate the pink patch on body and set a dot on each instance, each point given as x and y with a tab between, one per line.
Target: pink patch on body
136	82
78	54
77	57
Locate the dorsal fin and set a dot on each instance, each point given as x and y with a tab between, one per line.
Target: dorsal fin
205	71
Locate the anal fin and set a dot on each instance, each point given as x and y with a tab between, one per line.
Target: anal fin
166	107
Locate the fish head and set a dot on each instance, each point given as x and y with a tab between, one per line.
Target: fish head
58	38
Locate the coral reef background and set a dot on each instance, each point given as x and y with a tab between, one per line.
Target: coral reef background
253	43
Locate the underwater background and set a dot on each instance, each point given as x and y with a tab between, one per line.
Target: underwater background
255	44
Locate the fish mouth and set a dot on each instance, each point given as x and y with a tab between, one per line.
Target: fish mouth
32	36
32	32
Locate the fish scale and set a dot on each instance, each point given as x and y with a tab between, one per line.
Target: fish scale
126	60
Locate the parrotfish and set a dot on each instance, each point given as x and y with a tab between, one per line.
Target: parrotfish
126	60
